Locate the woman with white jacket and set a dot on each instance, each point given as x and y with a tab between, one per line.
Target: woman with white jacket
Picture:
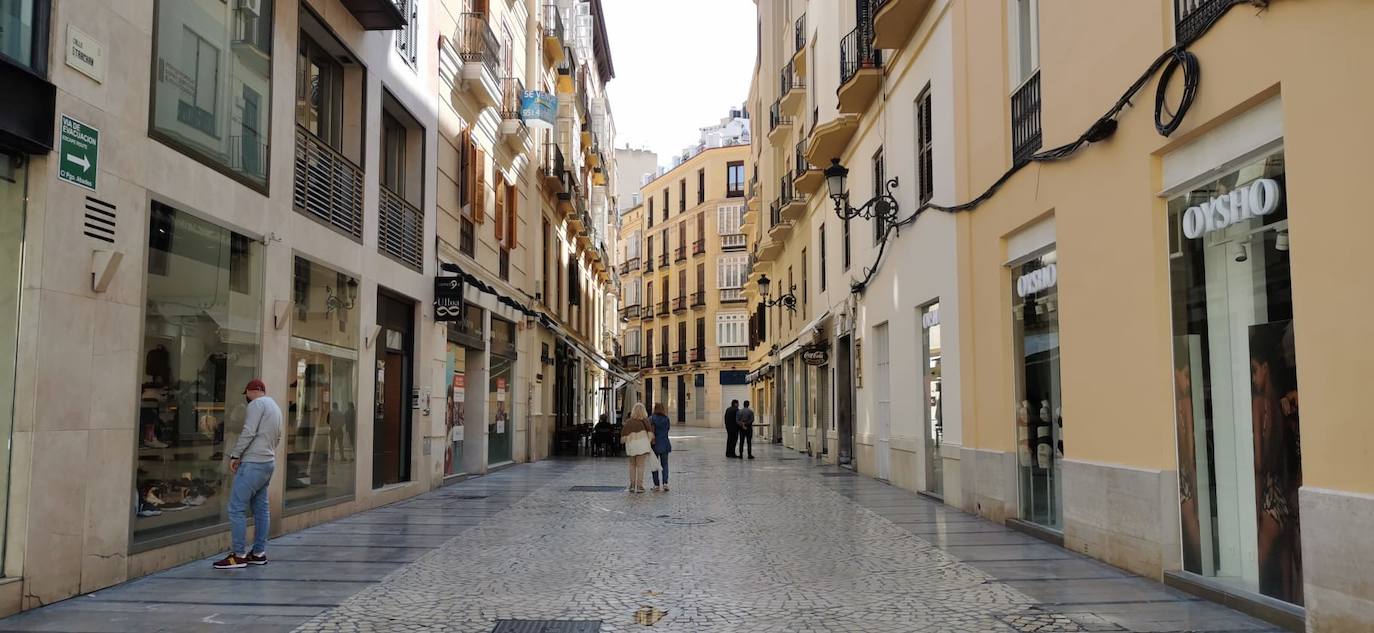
638	437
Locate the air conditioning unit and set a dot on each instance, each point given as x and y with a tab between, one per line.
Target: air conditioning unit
251	6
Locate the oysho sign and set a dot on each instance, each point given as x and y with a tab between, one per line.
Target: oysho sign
1257	200
1037	280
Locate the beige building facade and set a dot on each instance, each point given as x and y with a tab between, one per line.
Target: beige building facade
682	270
1089	327
199	193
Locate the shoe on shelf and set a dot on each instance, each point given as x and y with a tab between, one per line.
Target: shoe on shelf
232	561
256	559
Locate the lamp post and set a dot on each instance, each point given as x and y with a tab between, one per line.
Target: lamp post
882	206
788	300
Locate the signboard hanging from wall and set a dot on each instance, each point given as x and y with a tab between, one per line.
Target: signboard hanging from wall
448	299
538	106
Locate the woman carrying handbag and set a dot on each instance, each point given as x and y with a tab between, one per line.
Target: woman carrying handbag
638	437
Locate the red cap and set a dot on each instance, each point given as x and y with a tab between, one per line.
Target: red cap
255	385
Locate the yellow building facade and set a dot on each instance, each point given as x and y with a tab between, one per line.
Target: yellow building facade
683	268
1106	307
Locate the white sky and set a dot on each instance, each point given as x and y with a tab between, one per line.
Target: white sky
680	65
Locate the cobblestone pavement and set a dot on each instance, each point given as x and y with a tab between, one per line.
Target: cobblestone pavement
774	544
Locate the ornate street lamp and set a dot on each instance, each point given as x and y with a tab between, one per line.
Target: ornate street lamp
882	206
335	303
788	300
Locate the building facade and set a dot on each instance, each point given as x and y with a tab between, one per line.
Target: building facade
682	274
1154	281
187	205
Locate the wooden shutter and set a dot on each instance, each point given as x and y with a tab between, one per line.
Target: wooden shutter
500	214
512	216
479	188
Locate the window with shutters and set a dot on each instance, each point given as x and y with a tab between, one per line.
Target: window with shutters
701	186
732	329
879	188
701	337
682	196
632	342
544	271
649	346
820	244
731	270
728	218
650	216
665	203
805	283
734	179
632	246
925	149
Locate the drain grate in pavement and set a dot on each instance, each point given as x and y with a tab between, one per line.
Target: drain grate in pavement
841	474
597	489
546	626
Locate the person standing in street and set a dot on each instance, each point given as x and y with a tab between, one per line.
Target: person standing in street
662	446
745	420
732	428
638	437
252	461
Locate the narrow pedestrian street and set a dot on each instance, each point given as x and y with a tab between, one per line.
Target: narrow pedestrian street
725	550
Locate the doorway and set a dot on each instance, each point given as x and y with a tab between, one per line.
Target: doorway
681	399
391	433
844	399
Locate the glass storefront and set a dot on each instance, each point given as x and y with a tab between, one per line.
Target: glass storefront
322	404
455	396
502	398
1039	423
212	82
1235	380
13	181
200	346
934	416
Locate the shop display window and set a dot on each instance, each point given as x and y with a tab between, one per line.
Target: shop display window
200	346
1235	380
501	395
934	408
455	397
13	179
212	83
322	404
1038	417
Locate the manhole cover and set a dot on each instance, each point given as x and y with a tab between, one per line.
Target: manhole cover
597	489
837	474
546	626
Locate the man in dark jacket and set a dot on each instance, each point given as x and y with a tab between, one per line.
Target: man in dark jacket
745	420
732	428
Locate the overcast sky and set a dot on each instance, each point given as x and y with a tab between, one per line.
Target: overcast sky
680	65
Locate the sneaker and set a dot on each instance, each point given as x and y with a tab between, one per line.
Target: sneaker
232	561
751	457
256	559
665	487
657	489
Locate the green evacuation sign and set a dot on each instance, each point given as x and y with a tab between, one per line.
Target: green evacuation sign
80	147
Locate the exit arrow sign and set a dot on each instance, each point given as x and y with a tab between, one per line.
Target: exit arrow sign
79	153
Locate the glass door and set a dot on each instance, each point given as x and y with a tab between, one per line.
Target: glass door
934	417
1039	426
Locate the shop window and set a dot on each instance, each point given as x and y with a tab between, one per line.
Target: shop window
931	366
322	404
13	182
1039	424
1235	380
212	84
23	33
200	346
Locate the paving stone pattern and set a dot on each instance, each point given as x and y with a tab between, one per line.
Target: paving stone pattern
771	544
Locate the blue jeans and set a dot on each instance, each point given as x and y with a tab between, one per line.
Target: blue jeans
250	489
663	465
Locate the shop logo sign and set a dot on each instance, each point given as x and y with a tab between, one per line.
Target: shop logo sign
1037	280
448	299
930	319
1258	200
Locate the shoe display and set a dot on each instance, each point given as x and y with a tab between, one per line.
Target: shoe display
231	561
256	559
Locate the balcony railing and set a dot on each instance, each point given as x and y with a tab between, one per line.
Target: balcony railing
663	358
679	357
787	193
775	213
478	44
699	354
857	53
629	312
731	295
401	229
328	186
679	304
1190	16
663	308
554	165
776	118
553	20
649	264
663	260
698	247
801	33
631	361
511	90
1025	120
734	352
754	186
680	254
800	165
699	299
733	241
630	265
791	80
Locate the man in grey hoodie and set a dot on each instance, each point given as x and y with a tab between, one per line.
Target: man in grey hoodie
252	461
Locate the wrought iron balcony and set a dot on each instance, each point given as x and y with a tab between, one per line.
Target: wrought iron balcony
663	308
777	120
632	361
1025	120
699	247
663	260
1190	16
552	24
680	304
401	229
680	254
630	265
860	74
477	43
699	299
800	31
328	186
649	264
511	90
699	354
629	312
663	358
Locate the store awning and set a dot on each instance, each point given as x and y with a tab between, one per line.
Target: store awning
805	335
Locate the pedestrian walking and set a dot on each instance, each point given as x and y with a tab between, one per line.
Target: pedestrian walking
732	428
661	445
745	419
638	437
252	461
